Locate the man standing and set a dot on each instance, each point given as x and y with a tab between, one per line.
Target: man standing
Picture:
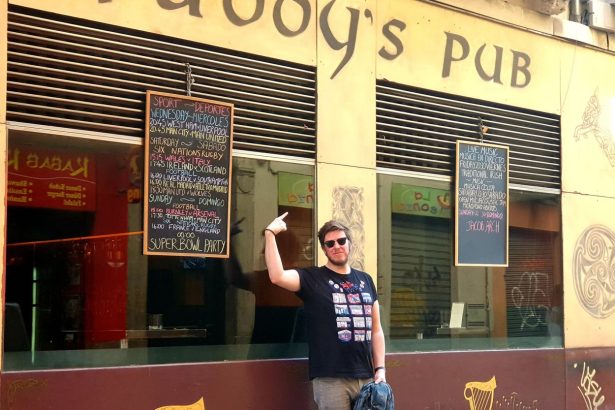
345	338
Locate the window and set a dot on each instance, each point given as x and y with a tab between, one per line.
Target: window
430	304
82	292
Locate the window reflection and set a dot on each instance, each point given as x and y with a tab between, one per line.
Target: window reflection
78	277
430	298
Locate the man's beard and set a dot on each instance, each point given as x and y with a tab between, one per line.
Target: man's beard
342	262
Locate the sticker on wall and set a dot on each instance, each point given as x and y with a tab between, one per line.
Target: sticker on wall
594	271
589	388
599	124
348	209
199	405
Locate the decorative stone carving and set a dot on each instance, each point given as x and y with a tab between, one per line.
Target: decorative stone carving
549	7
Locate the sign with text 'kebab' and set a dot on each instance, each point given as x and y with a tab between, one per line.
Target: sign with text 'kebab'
53	179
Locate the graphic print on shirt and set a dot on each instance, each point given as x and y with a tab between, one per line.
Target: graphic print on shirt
353	311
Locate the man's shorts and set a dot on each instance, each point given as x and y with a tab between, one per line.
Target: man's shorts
336	393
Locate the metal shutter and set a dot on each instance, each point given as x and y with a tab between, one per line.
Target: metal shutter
421	274
81	75
529	282
417	131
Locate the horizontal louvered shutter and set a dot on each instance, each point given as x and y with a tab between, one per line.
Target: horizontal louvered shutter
81	75
417	131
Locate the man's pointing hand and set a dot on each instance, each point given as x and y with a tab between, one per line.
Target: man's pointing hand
277	225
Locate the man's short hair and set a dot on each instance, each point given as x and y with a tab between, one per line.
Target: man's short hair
331	226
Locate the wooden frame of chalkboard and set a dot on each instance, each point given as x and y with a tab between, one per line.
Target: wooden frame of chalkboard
481	204
188	172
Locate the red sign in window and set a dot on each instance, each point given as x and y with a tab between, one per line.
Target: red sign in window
50	179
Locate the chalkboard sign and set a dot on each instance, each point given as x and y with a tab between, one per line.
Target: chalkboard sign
188	158
481	226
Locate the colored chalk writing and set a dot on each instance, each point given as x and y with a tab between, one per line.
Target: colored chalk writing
188	158
481	227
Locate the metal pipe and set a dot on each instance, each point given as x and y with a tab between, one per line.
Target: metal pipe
575	10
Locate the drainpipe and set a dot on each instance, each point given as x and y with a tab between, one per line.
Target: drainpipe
575	10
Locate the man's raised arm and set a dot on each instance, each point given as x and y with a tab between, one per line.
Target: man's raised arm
287	279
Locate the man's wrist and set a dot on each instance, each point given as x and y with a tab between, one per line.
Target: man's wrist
379	368
268	230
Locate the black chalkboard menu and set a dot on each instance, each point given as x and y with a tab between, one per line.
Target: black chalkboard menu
188	158
481	225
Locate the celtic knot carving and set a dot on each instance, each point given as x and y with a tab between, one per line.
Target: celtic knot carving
590	127
348	209
594	270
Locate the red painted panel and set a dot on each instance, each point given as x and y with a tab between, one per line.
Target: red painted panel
106	280
524	379
590	378
237	385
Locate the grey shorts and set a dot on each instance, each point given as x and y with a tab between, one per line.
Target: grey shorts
335	393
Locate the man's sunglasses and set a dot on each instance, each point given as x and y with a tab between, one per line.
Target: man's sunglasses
340	242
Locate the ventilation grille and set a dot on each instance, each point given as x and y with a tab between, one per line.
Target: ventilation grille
86	76
417	131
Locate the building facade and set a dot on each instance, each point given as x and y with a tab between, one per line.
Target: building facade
346	110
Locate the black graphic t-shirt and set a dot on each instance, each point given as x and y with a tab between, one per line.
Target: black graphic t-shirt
338	310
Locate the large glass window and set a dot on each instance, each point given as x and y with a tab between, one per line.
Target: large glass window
430	304
80	292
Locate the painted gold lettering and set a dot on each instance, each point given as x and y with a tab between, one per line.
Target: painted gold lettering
234	18
399	46
281	26
13	159
32	160
56	163
193	6
82	167
517	66
452	38
497	67
47	164
332	41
